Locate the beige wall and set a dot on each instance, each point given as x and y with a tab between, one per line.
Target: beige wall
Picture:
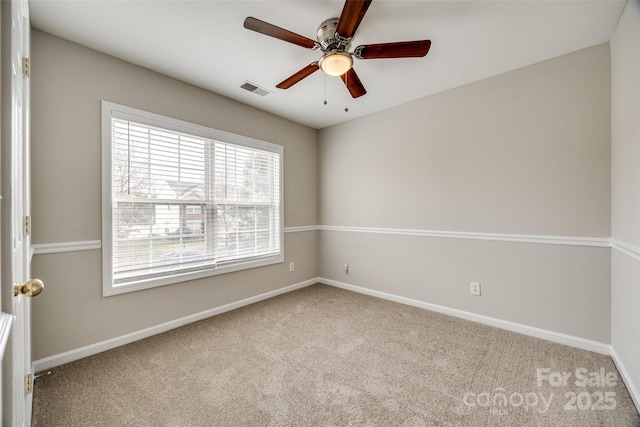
553	287
67	85
524	153
625	192
625	130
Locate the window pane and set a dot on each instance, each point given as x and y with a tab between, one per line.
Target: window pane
184	202
243	231
155	237
244	175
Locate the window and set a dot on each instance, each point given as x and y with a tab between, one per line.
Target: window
182	201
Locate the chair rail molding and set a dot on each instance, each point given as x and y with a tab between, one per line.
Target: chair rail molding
52	248
600	242
626	248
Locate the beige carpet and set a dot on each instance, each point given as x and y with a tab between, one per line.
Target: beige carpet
325	356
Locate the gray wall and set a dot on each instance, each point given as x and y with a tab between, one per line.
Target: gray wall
67	85
625	192
523	153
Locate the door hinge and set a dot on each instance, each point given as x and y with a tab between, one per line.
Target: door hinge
28	384
27	225
26	67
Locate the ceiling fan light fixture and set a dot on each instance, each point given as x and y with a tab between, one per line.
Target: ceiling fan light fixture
336	63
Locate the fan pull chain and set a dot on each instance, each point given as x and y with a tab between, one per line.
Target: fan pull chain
346	94
325	88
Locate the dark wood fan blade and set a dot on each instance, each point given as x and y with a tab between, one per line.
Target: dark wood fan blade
305	72
353	83
414	49
352	13
262	27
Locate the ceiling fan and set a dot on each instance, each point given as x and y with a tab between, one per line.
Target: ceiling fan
334	41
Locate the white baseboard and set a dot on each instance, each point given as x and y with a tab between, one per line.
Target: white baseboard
70	356
628	381
544	334
581	343
79	353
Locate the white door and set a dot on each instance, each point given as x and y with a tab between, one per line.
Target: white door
15	214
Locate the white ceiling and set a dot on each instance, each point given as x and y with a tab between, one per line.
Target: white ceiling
204	43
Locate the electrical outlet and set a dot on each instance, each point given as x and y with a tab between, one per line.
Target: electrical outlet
475	288
292	266
346	268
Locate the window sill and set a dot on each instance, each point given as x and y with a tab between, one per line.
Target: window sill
111	290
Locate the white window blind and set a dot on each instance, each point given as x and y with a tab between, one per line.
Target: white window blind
187	204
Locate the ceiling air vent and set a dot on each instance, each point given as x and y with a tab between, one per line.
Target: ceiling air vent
251	87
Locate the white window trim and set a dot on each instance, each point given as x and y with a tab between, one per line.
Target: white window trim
109	110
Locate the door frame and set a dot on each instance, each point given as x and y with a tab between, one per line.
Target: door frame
15	251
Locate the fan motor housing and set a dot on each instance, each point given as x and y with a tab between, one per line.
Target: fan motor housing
329	39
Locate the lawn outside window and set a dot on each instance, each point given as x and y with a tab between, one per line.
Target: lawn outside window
182	201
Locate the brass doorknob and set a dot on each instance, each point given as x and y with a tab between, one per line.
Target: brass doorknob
30	288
